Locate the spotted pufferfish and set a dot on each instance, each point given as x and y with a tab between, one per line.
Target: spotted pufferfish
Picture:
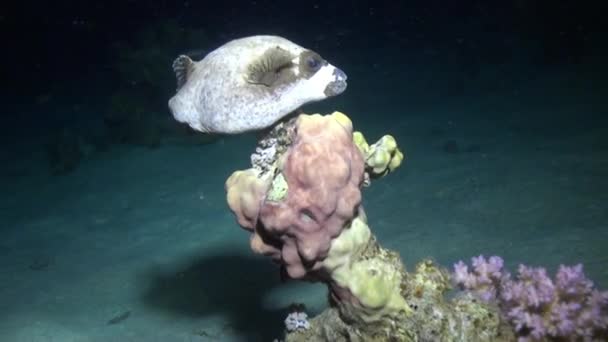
250	83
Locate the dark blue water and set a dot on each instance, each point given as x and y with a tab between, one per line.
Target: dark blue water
109	209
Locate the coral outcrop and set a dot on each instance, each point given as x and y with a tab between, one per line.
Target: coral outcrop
301	200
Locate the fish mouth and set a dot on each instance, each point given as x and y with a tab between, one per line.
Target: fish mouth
338	85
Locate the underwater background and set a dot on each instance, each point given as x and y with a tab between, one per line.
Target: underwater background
113	218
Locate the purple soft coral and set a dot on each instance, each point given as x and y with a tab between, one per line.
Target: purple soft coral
537	307
483	280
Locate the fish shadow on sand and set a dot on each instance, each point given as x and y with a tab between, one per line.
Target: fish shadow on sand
232	286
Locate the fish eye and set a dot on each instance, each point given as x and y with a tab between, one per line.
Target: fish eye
313	63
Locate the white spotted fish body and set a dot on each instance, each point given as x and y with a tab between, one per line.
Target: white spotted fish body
250	83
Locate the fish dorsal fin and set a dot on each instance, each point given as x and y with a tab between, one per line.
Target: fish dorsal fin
182	66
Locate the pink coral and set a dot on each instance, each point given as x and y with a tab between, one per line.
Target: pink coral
323	170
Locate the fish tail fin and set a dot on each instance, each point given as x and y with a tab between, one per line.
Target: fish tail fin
182	66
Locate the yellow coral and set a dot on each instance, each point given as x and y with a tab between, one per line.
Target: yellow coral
396	160
361	143
376	284
343	120
347	247
373	281
244	193
382	157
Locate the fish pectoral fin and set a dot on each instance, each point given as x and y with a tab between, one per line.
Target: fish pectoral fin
182	66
